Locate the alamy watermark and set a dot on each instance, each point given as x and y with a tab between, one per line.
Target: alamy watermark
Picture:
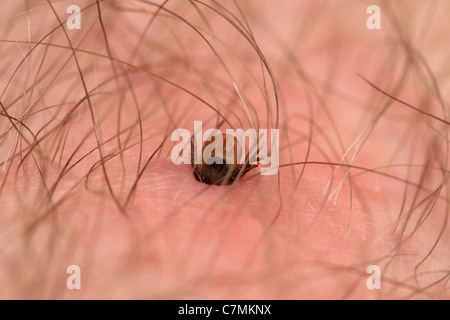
257	142
374	281
74	21
74	280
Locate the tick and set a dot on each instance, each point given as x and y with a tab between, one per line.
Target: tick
224	173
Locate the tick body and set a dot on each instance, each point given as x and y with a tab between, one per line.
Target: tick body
224	173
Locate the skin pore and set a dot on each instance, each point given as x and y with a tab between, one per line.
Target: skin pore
87	179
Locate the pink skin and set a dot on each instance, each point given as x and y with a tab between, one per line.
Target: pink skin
165	235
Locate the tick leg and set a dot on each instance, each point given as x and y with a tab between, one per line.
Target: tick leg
197	175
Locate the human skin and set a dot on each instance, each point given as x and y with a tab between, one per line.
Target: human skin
87	178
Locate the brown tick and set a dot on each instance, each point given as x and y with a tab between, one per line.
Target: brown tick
221	174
